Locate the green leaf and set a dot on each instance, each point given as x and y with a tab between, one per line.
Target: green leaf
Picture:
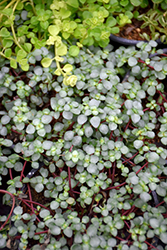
54	30
73	50
73	3
135	2
21	54
6	12
54	205
5	119
7	43
4	32
27	47
8	52
46	62
111	21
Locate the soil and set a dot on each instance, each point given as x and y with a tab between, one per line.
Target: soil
132	31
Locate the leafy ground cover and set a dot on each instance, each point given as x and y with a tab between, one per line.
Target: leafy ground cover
99	149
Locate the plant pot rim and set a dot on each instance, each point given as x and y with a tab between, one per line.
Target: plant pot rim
125	41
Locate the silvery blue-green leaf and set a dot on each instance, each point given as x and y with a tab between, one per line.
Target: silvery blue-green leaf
138	144
67	115
26	216
103	129
38	70
46	119
58	126
111	242
163	237
30	129
88	131
135	118
68	136
41	132
124	150
107	84
161	191
68	232
2	243
55	230
164	140
128	104
94	102
145	196
77	140
153	157
54	205
154	223
39	187
95	121
132	61
92	168
112	126
89	149
5	119
3	131
44	213
47	145
151	90
134	179
7	142
94	241
81	119
18	210
35	165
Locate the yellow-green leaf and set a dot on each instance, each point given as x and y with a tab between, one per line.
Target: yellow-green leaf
61	50
13	63
68	68
46	62
53	30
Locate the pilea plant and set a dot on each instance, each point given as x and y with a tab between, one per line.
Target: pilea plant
97	151
29	25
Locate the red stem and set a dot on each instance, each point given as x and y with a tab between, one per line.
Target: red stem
30	197
141	61
142	167
150	245
10	173
120	185
11	211
21	176
162	95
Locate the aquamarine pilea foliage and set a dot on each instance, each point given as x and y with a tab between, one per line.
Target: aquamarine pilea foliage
100	146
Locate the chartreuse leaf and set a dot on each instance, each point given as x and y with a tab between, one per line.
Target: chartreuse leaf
61	50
